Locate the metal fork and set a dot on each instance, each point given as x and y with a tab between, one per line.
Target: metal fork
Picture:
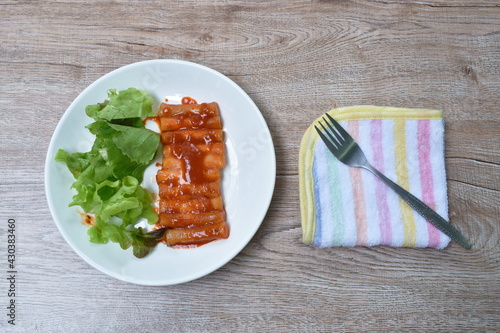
343	147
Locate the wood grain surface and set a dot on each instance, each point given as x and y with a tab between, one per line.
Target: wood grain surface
296	60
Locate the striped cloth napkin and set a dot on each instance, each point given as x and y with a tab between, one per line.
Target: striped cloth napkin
346	206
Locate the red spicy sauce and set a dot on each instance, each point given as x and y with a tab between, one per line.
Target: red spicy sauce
87	219
188	100
156	119
192	138
192	159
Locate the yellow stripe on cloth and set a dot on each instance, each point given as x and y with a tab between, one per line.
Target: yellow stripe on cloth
409	229
369	112
306	158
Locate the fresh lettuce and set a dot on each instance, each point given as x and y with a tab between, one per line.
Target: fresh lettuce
126	104
108	177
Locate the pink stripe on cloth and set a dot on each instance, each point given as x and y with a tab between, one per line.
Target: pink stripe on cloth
380	187
358	192
426	176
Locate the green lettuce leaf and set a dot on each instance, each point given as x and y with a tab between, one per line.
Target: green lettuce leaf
76	162
139	144
130	103
108	177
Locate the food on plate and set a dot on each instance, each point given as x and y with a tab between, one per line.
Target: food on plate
108	177
190	202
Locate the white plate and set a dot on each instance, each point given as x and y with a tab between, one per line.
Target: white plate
248	179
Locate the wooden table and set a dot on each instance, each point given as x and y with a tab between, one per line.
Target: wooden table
296	60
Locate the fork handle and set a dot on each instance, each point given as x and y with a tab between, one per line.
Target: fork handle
424	210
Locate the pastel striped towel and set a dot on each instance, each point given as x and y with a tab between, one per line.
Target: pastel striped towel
345	206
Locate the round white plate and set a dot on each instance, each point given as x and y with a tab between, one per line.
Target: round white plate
248	179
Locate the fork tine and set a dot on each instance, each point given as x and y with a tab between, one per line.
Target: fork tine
339	128
332	135
333	148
